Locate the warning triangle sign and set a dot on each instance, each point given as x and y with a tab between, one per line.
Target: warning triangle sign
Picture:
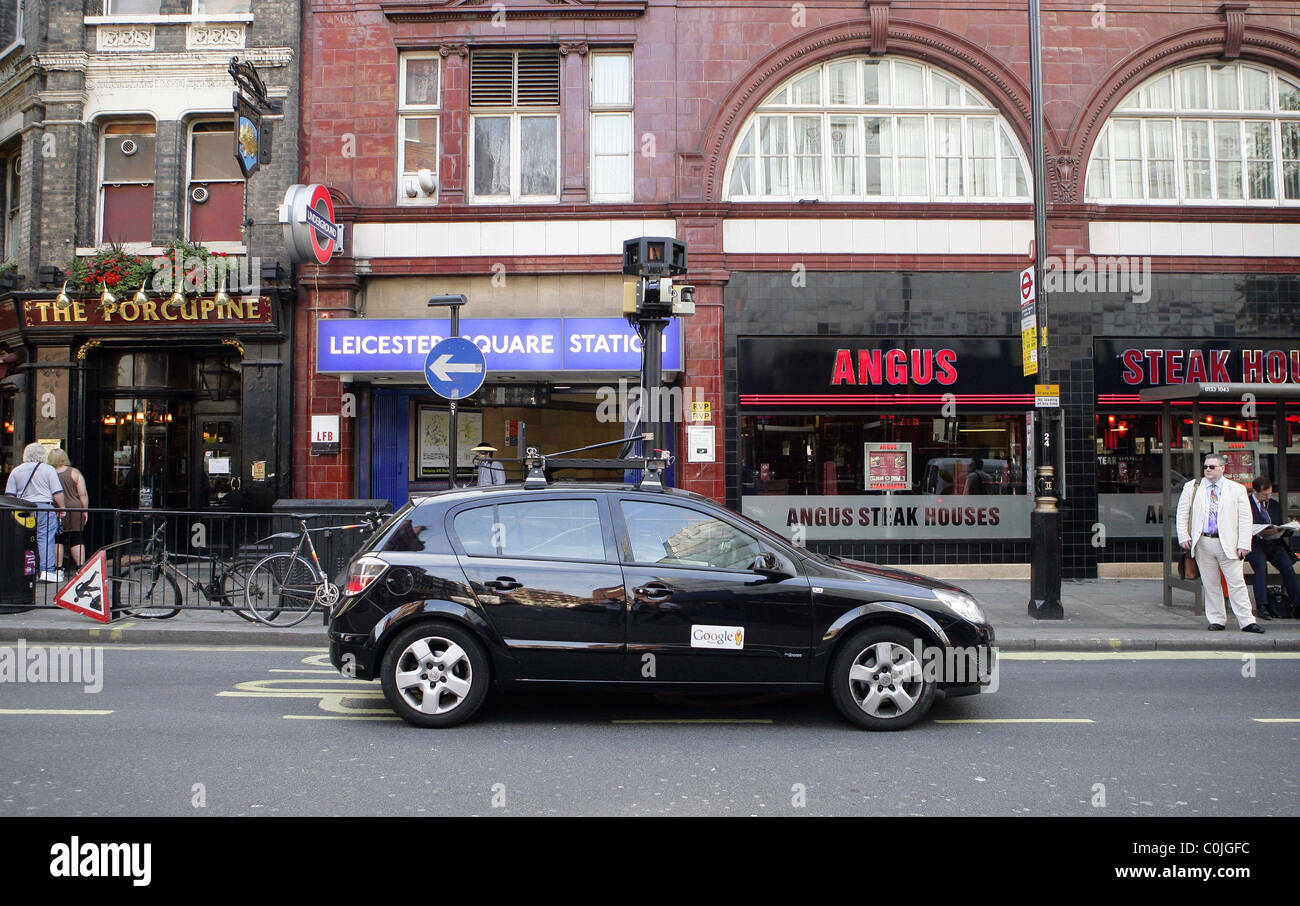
86	592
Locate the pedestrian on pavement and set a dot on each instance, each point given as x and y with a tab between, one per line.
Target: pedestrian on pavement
76	498
1214	525
36	481
1275	550
490	472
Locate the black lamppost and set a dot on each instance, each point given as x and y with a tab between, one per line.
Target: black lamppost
1045	520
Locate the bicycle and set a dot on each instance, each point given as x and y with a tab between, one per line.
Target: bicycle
285	588
160	595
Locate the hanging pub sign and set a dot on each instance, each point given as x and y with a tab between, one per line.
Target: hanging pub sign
880	371
248	136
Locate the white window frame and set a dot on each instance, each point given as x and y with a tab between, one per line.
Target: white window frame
971	105
194	10
103	144
516	114
126	16
13	213
1132	109
602	111
407	110
189	175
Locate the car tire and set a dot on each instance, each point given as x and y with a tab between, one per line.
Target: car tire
435	675
879	696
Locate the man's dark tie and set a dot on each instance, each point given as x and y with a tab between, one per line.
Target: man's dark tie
1263	510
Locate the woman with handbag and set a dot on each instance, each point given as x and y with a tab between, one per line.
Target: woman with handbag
76	499
34	480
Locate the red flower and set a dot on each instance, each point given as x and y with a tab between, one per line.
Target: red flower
112	279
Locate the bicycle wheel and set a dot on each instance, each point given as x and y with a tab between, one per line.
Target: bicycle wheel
153	595
281	590
234	579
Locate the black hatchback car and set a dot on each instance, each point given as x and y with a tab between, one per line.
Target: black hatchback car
661	590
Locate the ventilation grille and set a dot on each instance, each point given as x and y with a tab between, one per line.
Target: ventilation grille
502	78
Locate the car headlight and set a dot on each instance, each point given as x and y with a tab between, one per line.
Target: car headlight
964	606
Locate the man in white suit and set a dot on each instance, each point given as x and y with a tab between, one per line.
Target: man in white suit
1216	529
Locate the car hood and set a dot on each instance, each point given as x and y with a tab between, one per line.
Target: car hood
856	569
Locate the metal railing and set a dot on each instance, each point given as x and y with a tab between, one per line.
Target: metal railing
201	549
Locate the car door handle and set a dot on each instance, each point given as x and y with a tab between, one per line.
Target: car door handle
503	583
655	591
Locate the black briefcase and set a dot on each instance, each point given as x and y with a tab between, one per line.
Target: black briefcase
1280	607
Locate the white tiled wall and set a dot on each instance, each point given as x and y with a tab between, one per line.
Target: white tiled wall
1227	240
833	236
502	237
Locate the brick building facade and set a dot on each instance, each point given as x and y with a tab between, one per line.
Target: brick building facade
851	177
116	132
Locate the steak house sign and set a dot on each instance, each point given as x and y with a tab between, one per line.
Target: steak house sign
200	311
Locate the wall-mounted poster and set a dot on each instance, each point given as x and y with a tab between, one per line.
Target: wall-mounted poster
1239	461
888	467
433	442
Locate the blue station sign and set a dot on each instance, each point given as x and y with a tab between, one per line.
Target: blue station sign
363	345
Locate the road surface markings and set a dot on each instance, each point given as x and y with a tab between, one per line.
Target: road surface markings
1276	720
1143	655
698	720
1016	720
72	711
389	716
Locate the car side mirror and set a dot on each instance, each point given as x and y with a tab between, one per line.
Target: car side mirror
769	564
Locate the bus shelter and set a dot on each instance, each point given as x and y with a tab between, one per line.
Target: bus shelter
1269	401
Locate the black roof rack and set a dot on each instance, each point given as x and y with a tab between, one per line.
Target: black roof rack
651	467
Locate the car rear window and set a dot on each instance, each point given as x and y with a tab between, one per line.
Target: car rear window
552	529
418	531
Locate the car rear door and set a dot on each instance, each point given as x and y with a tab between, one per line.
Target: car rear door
697	606
545	570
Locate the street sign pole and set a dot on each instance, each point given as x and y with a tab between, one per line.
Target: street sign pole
454	303
1045	520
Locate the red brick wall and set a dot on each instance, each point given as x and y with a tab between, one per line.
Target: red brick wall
320	477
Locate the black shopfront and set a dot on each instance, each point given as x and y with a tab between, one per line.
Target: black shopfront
885	444
161	405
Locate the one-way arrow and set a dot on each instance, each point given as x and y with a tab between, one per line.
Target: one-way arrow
442	368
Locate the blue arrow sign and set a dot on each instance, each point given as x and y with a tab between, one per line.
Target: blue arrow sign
455	368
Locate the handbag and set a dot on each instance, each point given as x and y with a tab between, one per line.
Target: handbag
1187	568
26	518
1278	604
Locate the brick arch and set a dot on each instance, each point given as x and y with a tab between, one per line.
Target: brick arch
942	49
1259	45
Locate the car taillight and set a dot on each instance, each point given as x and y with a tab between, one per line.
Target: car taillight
362	572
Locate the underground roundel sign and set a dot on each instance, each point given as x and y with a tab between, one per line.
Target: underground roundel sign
310	232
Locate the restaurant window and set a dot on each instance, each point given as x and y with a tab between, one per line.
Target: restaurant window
829	454
417	125
876	128
514	99
126	182
216	185
1130	449
1201	134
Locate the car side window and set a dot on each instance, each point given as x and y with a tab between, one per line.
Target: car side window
553	529
678	536
416	534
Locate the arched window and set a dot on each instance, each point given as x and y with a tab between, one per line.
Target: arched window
876	129
1202	134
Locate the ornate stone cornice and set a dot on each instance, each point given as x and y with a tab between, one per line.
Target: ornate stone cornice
1234	18
926	42
225	36
442	10
68	62
124	38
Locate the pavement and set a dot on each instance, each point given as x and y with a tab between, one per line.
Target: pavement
1100	615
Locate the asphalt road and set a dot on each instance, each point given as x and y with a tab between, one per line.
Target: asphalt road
222	731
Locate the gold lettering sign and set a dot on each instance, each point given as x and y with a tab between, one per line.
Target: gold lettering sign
196	311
